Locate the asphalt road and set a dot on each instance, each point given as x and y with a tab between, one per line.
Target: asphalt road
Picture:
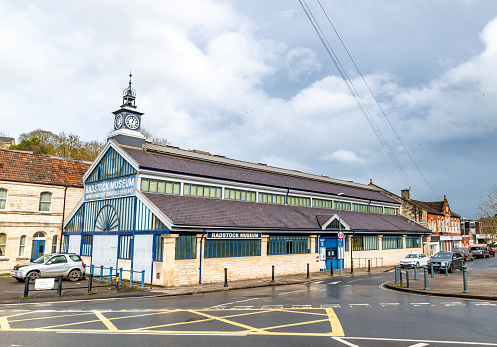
347	311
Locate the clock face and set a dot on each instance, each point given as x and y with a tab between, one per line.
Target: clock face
132	122
118	122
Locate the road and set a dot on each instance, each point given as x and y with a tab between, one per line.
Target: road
341	311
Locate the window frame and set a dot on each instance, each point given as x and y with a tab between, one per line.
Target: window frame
22	247
4	255
45	202
125	247
4	200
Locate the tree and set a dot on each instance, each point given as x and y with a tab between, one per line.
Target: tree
486	212
155	140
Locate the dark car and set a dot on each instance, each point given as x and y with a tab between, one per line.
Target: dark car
451	260
480	252
465	252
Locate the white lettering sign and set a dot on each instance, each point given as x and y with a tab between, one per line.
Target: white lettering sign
44	283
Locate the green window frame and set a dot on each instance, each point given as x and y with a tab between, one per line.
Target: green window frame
299	201
413	242
391	242
343	205
269	198
321	203
376	209
391	210
281	245
205	191
158	250
185	247
239	194
364	243
360	207
231	248
151	185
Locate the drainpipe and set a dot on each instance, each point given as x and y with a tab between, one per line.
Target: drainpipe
200	267
62	223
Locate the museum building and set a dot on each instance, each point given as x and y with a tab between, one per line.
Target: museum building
184	216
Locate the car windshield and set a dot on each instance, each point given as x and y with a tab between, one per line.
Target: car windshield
442	256
42	259
411	256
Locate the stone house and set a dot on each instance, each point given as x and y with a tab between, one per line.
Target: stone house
36	193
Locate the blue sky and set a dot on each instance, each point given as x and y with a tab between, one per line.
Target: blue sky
251	80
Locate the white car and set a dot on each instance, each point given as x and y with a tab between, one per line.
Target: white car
416	260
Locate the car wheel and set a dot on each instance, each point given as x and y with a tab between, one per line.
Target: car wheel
417	265
451	268
74	275
33	275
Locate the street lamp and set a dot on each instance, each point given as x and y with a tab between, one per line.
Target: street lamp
339	230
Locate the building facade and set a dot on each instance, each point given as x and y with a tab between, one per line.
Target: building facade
36	194
183	216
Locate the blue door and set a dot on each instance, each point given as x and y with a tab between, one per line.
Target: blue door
37	249
331	244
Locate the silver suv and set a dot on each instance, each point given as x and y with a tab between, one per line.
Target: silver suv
69	265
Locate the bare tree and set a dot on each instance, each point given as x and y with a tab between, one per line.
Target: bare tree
486	211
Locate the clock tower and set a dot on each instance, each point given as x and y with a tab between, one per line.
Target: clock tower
127	121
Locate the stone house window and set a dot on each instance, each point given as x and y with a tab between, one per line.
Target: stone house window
22	246
54	244
45	202
3	199
3	245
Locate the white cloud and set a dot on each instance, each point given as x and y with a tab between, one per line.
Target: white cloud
341	155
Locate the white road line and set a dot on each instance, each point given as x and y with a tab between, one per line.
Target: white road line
364	305
334	282
485	304
234	302
419	345
455	303
296	291
423	341
362	279
301	306
389	304
331	306
344	342
266	307
243	307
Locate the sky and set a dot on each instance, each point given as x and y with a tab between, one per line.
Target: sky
251	80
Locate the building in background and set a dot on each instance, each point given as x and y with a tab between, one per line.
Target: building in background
6	142
183	216
37	192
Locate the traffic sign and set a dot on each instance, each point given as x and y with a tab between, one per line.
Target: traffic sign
340	235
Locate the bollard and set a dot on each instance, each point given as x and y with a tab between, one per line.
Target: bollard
446	268
465	278
110	275
400	276
369	265
426	277
272	274
118	279
59	287
101	273
415	273
431	269
131	278
90	283
26	287
225	277
397	271
308	271
142	286
351	266
120	276
407	278
331	268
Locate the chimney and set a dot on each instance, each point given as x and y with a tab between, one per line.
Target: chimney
404	193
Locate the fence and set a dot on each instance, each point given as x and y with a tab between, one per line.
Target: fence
363	262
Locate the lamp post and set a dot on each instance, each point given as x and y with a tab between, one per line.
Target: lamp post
339	230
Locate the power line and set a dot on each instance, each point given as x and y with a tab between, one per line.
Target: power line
357	98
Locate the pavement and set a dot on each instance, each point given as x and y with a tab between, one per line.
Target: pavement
482	286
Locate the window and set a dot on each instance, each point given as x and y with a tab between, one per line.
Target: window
3	199
242	195
223	248
272	198
60	259
45	202
390	210
322	203
54	244
335	225
3	244
201	190
391	242
158	241
65	244
343	205
278	245
375	209
412	242
125	246
360	207
299	201
186	247
86	245
365	243
160	186
22	246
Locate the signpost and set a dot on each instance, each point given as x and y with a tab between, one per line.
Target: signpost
340	235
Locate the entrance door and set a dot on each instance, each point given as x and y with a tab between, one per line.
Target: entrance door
37	246
142	257
104	253
331	244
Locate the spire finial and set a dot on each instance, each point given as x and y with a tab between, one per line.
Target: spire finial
129	94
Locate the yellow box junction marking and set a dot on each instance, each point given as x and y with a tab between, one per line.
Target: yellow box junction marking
325	315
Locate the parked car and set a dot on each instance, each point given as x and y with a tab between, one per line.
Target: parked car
465	252
69	265
451	260
491	251
480	252
414	260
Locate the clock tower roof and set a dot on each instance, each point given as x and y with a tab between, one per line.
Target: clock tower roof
129	95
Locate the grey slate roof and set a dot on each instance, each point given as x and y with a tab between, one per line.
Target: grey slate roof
196	165
187	211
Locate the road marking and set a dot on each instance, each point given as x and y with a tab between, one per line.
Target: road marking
421	341
270	307
336	327
242	307
234	302
420	303
331	306
295	291
455	303
344	342
385	304
334	282
105	320
362	279
301	306
355	305
419	345
485	304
